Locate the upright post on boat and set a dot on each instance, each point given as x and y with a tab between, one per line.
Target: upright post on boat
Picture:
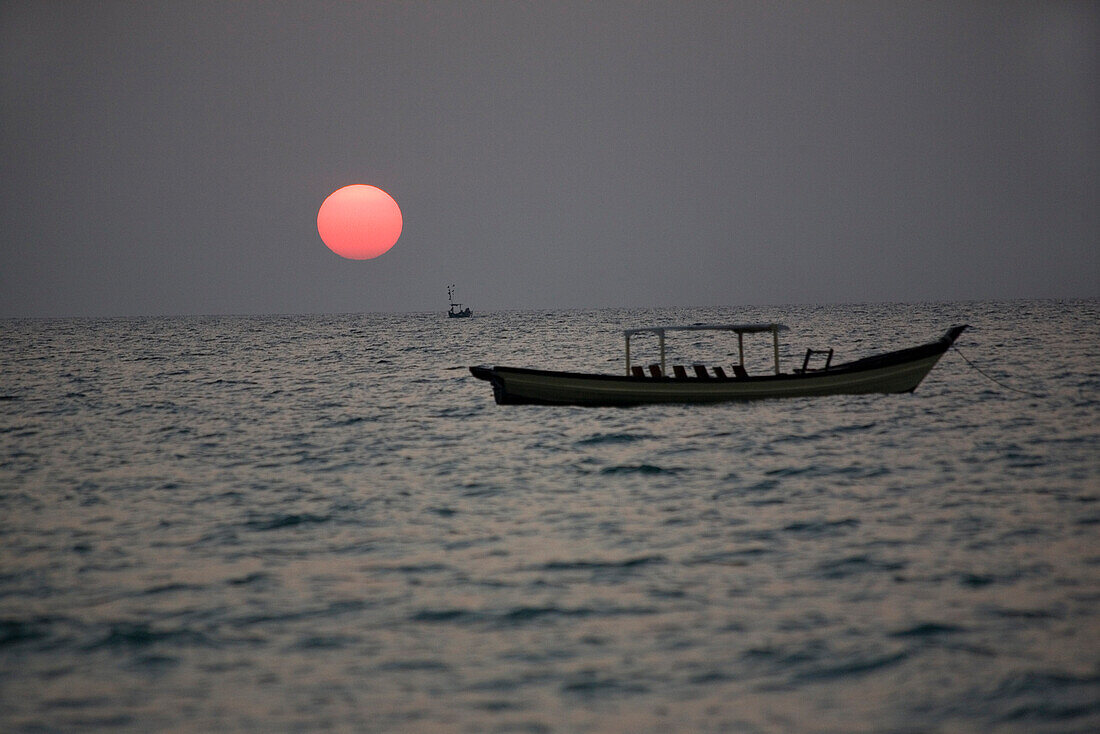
775	345
661	341
628	354
741	347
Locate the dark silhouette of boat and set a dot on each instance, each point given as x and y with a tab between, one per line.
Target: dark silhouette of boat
891	372
456	311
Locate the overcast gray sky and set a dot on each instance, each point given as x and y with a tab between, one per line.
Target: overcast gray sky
170	157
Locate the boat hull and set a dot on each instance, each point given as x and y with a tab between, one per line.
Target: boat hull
893	372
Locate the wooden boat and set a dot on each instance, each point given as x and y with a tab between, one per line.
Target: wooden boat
891	372
456	311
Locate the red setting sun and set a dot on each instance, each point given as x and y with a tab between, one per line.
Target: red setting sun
359	222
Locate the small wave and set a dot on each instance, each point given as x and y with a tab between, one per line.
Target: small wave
823	527
63	703
530	614
324	642
16	631
411	568
414	665
477	489
733	557
854	565
638	469
610	438
130	634
154	663
601	565
857	666
855	428
277	522
1049	697
826	433
791	471
349	420
710	676
522	615
252	578
781	657
928	629
499	705
1008	613
442	615
977	580
1052	711
764	485
589	684
323	611
169	589
1043	682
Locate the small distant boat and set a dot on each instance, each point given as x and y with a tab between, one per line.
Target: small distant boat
891	372
456	311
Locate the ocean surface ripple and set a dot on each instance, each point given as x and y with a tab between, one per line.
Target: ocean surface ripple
315	523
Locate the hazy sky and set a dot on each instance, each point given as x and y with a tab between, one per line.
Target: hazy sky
170	157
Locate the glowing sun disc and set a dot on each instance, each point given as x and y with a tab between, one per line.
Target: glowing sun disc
359	222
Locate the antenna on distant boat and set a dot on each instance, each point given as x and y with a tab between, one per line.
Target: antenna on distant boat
452	312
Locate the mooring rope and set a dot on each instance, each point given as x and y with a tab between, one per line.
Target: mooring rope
994	379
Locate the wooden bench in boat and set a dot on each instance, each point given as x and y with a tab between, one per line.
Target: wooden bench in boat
680	372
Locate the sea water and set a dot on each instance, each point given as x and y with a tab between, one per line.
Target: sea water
324	523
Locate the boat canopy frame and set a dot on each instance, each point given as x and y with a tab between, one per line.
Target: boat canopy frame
739	329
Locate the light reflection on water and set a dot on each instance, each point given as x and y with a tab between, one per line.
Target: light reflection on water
257	524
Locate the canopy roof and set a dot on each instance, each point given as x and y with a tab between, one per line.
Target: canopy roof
738	328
